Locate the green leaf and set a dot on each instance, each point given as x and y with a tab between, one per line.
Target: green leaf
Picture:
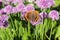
21	29
25	36
28	28
58	32
2	35
57	3
39	31
47	25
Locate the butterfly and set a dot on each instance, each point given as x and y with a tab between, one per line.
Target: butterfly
32	15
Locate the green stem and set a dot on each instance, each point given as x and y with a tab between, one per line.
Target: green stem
36	36
16	25
2	4
55	38
43	33
51	31
28	28
11	21
36	32
18	14
47	37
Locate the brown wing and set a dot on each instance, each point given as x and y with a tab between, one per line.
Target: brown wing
32	15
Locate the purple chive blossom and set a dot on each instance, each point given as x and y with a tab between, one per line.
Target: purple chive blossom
29	7
43	14
2	11
8	9
45	3
20	7
4	18
14	10
5	24
3	21
54	15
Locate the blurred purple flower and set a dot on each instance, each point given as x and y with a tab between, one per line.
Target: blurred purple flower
45	3
20	7
0	0
8	9
29	7
54	15
14	10
2	11
4	18
3	21
3	24
43	14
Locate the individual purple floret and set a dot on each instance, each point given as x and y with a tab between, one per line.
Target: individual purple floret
14	10
5	24
43	14
2	12
4	17
54	15
29	7
8	9
20	7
